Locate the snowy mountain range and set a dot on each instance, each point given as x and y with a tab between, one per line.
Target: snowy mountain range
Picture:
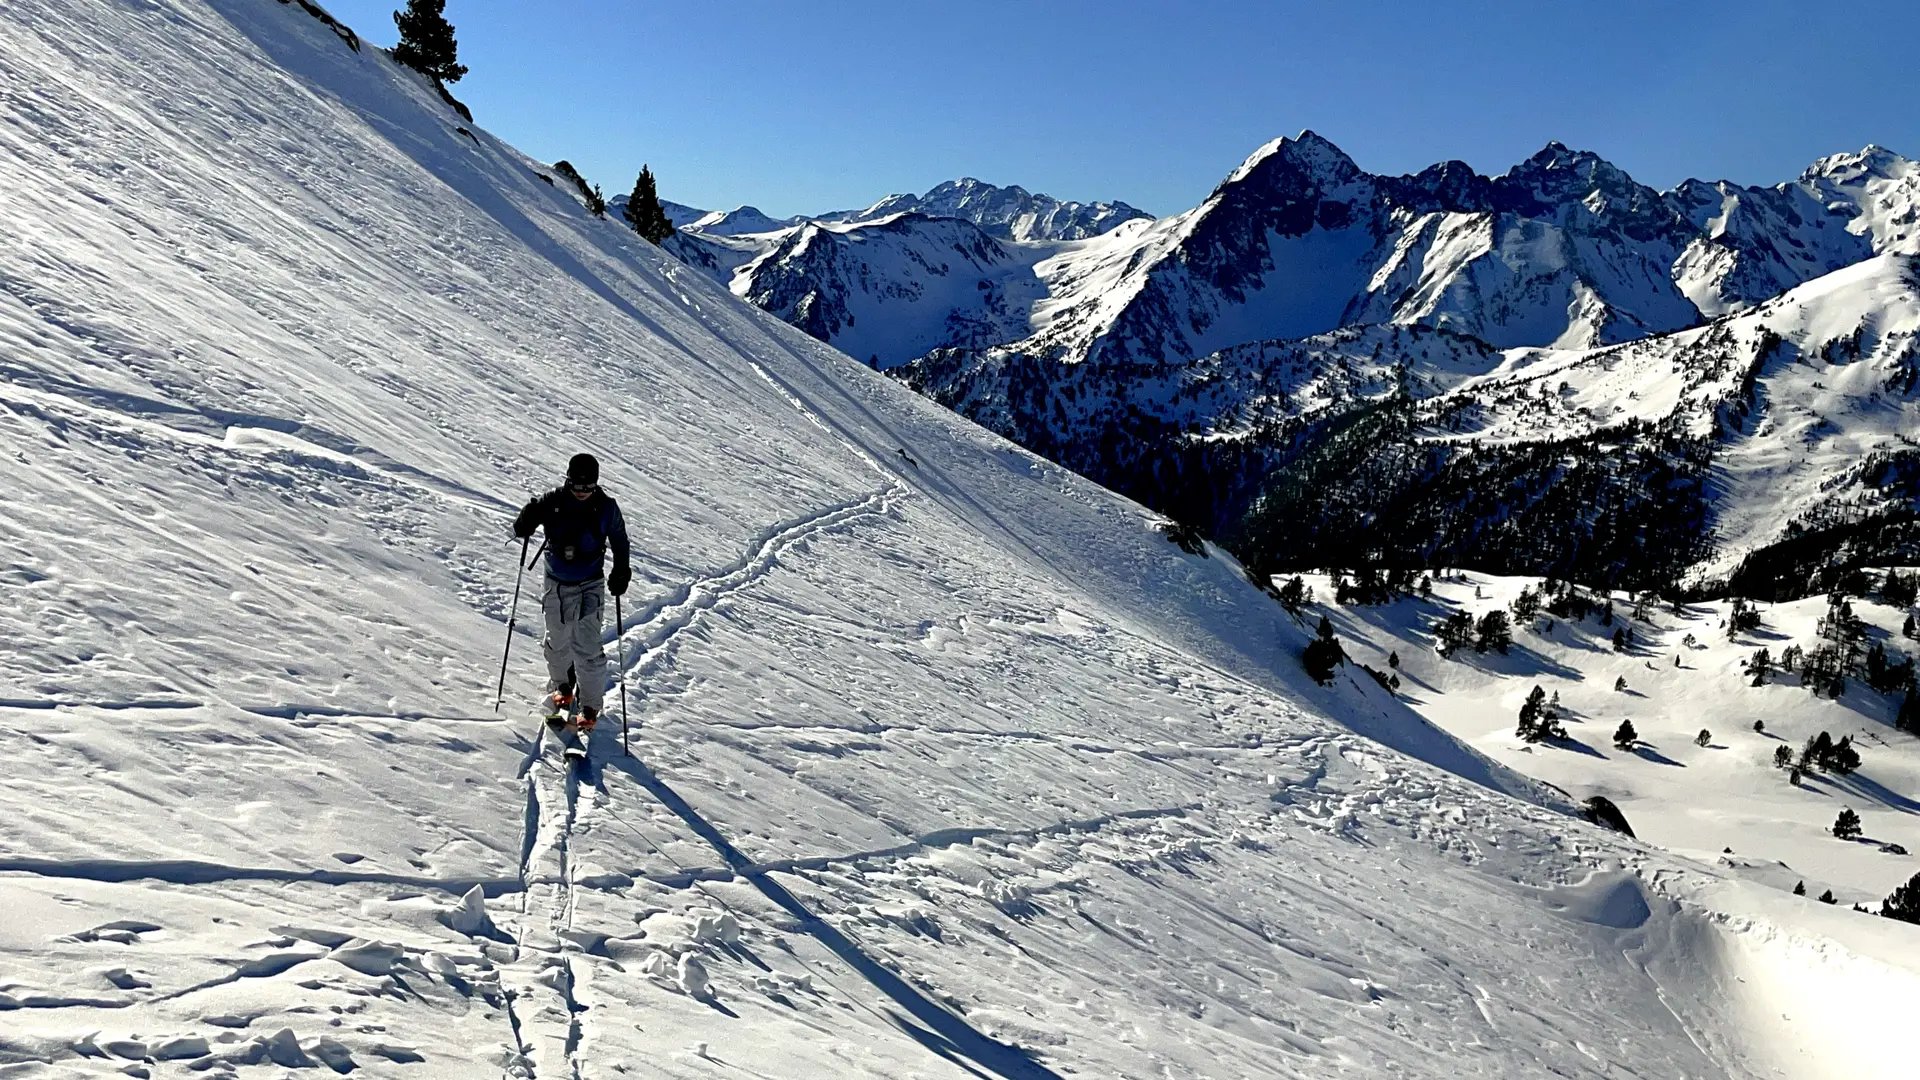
1272	366
1010	213
1564	249
944	762
1757	449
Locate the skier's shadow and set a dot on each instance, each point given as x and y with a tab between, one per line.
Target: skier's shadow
937	1029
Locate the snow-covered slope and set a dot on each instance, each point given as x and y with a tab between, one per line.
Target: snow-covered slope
1011	213
1676	793
1725	800
946	764
1803	410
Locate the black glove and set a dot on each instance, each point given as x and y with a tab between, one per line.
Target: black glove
528	521
618	580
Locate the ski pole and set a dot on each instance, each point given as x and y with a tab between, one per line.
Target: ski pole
519	571
620	639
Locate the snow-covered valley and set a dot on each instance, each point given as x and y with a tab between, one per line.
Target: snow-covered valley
1703	777
945	762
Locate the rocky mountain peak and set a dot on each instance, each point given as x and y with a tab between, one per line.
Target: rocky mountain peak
1557	174
1304	161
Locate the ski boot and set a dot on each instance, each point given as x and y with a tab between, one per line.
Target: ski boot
588	717
558	704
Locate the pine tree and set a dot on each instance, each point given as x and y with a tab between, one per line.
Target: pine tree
1624	736
1816	750
1909	718
1530	711
426	40
1904	902
1827	897
1453	632
644	211
1704	738
1843	758
1495	631
1393	660
1526	605
1847	825
1292	594
1899	591
1620	640
1800	889
1782	756
1322	655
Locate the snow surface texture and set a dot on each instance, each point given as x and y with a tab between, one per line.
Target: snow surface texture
946	763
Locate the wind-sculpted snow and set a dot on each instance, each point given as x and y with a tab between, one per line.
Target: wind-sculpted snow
945	762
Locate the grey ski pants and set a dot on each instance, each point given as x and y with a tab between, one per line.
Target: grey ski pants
574	610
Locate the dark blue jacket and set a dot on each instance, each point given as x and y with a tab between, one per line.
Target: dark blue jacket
579	532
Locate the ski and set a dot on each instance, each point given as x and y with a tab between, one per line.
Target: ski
565	727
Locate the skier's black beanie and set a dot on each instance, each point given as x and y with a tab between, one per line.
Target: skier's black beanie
583	469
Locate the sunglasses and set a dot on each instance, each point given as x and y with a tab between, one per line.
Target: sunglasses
582	489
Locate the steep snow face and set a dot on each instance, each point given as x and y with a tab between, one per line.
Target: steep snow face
1879	186
944	763
891	290
1011	213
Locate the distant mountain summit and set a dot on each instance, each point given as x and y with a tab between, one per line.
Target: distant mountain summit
679	214
740	221
1011	213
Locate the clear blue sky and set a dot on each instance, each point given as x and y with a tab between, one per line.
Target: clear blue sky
809	106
